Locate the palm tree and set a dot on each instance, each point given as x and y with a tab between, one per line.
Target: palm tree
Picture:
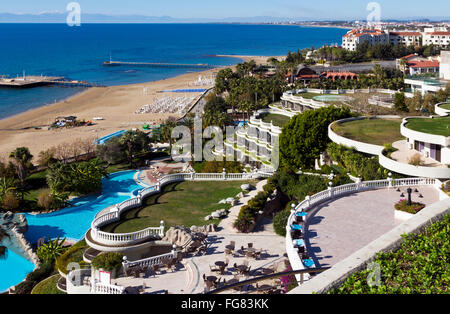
133	141
22	158
166	132
6	185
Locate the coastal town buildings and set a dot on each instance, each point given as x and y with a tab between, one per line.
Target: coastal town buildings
356	37
438	36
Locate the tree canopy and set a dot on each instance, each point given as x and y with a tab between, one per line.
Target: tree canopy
305	136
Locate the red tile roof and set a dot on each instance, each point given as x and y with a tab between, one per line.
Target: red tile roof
405	33
410	56
440	33
424	64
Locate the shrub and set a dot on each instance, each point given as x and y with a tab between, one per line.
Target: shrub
270	187
358	164
243	223
415	160
50	251
44	270
24	287
45	200
248	213
412	209
108	261
73	254
10	201
280	221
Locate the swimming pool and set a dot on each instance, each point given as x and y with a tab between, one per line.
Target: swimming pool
106	138
332	98
73	222
21	267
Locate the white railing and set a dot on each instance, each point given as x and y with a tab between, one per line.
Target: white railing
127	239
336	192
441	111
101	288
151	261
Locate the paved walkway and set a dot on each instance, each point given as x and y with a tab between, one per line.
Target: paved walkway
226	225
341	227
404	154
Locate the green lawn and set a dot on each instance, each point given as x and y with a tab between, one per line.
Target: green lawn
445	106
373	131
48	286
185	203
276	119
437	126
308	95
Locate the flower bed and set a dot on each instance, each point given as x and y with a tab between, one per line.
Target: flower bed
414	208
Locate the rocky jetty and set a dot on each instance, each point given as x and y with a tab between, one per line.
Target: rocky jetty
15	226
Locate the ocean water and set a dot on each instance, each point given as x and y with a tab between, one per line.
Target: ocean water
78	52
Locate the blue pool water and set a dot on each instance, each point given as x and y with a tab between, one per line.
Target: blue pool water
73	222
70	223
106	138
13	270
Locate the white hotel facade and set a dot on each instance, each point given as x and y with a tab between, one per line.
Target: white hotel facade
436	36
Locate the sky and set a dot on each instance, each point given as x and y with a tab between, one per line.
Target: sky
319	9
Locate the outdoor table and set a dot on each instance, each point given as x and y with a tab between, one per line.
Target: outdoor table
211	278
220	264
298	243
297	227
242	268
308	263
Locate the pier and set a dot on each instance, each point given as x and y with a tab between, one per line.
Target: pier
159	64
35	81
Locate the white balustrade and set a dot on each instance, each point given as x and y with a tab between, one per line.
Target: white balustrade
101	288
125	239
151	261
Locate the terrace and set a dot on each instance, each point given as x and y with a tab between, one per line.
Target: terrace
436	126
340	227
275	119
372	131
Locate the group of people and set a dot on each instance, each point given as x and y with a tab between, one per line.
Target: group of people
168	104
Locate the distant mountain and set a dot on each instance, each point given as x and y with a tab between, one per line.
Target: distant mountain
58	17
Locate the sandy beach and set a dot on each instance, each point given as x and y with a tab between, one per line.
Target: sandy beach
116	104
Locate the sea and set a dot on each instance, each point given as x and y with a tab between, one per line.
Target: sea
78	52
